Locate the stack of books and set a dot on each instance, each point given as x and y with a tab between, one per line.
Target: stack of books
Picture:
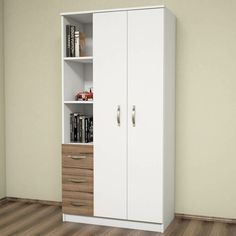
73	41
81	128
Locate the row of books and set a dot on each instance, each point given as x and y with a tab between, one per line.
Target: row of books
81	128
72	41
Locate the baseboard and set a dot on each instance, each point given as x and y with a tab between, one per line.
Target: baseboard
206	218
114	223
43	202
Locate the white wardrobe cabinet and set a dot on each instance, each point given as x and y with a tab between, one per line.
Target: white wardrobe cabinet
134	118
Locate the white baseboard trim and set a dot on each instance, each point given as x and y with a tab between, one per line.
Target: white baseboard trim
114	223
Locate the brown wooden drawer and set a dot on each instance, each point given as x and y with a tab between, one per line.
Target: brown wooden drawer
77	183
77	161
77	172
77	149
77	156
77	195
77	207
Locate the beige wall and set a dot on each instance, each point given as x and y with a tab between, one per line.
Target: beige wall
206	100
2	111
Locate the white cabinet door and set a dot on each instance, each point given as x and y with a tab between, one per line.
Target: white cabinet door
110	108
145	98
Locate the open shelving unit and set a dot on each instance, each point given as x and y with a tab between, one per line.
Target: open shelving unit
77	74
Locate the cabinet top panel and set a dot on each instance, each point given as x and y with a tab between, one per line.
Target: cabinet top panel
89	17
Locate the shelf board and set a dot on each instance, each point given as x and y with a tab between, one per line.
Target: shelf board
78	102
87	144
79	59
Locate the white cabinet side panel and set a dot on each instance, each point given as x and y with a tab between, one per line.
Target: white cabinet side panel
169	117
145	92
110	91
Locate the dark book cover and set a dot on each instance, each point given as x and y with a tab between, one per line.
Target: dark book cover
68	54
83	129
75	128
80	129
71	128
72	40
90	129
86	130
76	117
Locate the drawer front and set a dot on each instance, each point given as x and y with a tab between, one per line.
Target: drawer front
77	195
77	207
77	179
77	149
77	161
77	183
77	172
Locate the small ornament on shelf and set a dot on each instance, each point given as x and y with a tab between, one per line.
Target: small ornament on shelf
84	96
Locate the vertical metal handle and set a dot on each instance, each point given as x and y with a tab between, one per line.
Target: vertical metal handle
133	115
118	115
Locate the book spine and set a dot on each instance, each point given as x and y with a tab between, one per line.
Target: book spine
80	129
72	40
68	54
91	129
78	116
75	128
71	128
77	43
86	129
83	130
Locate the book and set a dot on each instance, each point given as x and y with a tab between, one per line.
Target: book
72	40
71	128
76	117
90	127
81	128
68	54
86	129
77	47
74	127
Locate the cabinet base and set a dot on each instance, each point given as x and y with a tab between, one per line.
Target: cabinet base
114	223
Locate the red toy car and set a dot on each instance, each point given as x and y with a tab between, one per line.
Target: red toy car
84	96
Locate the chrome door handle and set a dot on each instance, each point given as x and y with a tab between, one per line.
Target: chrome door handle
118	115
133	116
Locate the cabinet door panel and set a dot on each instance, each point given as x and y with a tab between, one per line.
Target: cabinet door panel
145	92
110	91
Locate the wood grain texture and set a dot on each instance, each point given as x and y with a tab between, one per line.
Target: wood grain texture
3	200
77	183
31	219
77	180
77	195
86	163
206	218
77	172
77	207
27	200
76	149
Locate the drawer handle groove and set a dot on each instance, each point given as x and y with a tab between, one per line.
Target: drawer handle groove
77	157
77	180
77	204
